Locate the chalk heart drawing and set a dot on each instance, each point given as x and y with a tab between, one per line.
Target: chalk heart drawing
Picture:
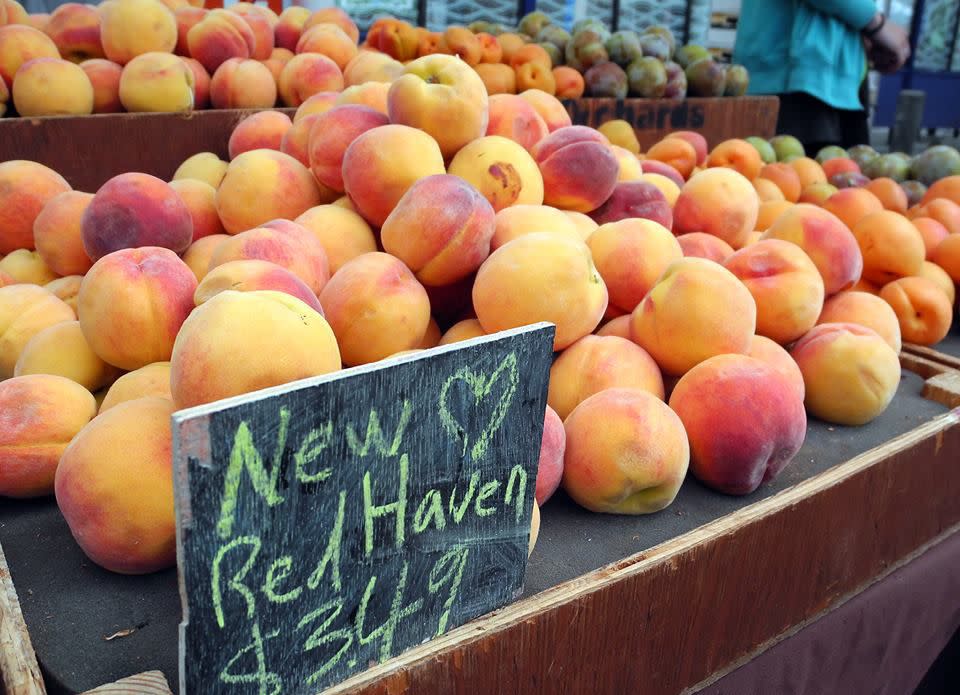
481	386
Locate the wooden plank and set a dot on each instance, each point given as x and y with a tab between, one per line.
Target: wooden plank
933	355
943	388
149	683
700	606
924	366
19	672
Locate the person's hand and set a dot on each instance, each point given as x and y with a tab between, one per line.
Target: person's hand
889	47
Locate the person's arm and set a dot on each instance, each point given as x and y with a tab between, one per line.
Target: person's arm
856	14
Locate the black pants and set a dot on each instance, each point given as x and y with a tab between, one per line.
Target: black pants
817	124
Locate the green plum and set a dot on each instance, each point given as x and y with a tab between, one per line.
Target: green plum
690	53
935	163
647	78
532	23
831	152
785	146
764	148
705	78
624	47
738	79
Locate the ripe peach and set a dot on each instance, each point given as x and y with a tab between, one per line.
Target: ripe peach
308	74
769	211
26	267
767	190
497	78
41	414
890	194
296	141
371	94
626	453
370	66
891	246
579	170
765	350
947	187
334	131
197	257
786	178
219	36
947	256
75	29
550	464
319	103
697	140
204	166
263	185
19	44
186	18
630	168
329	40
252	275
432	337
850	373
104	77
442	96
944	211
261	21
864	309
25	187
129	28
201	83
463	43
551	278
922	308
516	119
550	108
809	171
676	153
619	132
839	165
739	155
289	27
441	229
697	309
56	232
343	233
619	326
736	454
381	164
584	223
334	15
463	330
852	204
376	308
652	166
151	380
68	287
502	170
630	256
241	83
62	350
25	310
259	131
931	271
132	210
826	239
519	220
703	245
932	233
200	199
569	82
156	82
717	201
114	486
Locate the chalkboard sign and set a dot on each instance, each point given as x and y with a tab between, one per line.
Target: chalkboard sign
326	526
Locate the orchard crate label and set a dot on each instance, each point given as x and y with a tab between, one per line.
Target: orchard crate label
326	526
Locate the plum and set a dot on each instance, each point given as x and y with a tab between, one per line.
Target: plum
765	149
705	78
786	146
533	22
665	34
738	79
555	34
647	78
862	154
606	80
935	163
849	179
590	24
585	50
676	81
655	46
623	47
691	53
830	152
895	165
915	191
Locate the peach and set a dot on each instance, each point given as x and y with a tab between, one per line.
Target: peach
579	170
114	486
372	94
26	267
329	40
463	43
200	199
652	166
490	49
947	256
75	29
697	140
40	413
550	108
516	119
253	275
441	229
717	201
263	185
735	455
550	278
204	166
569	82
864	285
219	36
596	363
630	256
785	177
696	310
52	87
104	77
432	337
519	220
852	204
133	302
284	243
630	169
201	83
296	141
739	155
703	245
150	380
334	15
817	193
343	233
619	326
619	132
922	308
769	211
863	309
186	18
197	257
944	211
261	21
767	190
891	246
6	280
785	285
584	223
15	13
308	74
809	171
850	373
497	78
258	131
502	170
156	82
133	210
25	310
442	96
66	288
890	194
947	187
676	153
826	239
19	44
289	27
241	83
550	464
371	66
331	135
626	453
463	330
430	42
25	187
317	104
62	350
635	199
376	308
382	163
932	233
765	350
931	271
129	28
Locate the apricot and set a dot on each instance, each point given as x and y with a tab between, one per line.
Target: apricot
129	28
25	310
462	330
697	140
382	163
376	308
150	380
863	309
817	193
204	166
785	177
826	239
703	245
785	285
939	277
551	110
62	350
947	187
922	308
200	199
461	42
25	187
502	170
809	171
717	201
26	267
850	373
262	185
626	453
396	38
197	256
240	83
891	246
852	204
497	78
932	233
551	278
890	194
20	44
104	77
307	74
550	464
697	309
569	82
41	413
767	190
219	36
944	211
490	49
774	355
739	155
675	152
735	455
333	132
619	326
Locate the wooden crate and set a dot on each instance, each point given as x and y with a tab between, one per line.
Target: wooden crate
88	150
678	613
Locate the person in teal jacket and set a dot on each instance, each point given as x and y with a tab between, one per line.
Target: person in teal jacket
813	55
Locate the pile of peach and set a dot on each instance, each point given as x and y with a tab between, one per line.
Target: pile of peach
701	308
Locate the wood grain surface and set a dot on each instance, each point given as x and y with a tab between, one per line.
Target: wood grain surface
19	672
149	683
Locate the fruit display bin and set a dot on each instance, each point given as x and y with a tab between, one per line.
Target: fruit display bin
946	352
88	150
660	603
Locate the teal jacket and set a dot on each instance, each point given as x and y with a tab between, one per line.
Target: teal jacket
811	46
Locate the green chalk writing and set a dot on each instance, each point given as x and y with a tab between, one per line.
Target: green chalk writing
486	492
385	632
280	570
310	449
236	582
375	438
331	555
372	512
267	683
518	477
430	510
448	570
458	512
320	637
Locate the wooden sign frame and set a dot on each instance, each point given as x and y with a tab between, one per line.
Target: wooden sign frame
320	533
